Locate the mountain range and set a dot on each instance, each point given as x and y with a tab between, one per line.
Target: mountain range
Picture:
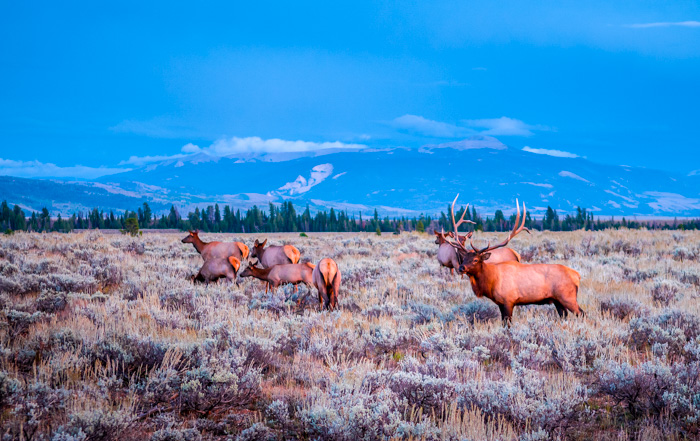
395	181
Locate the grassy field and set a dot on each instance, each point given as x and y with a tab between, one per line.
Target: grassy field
104	337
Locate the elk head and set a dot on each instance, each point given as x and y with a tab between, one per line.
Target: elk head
439	237
257	249
191	237
473	258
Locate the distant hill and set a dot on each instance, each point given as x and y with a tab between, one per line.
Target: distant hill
397	181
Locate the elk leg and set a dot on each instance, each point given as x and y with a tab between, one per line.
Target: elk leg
321	295
560	309
333	298
572	306
452	271
506	314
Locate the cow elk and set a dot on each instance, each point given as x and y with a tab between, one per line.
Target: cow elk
513	283
274	255
326	277
447	256
218	268
221	250
294	273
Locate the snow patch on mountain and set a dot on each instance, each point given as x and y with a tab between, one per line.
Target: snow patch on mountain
538	185
568	174
474	142
302	185
671	202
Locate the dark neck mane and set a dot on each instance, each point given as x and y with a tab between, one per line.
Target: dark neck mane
199	244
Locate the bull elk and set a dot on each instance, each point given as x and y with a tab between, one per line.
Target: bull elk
326	277
221	250
513	283
294	273
274	255
447	254
218	268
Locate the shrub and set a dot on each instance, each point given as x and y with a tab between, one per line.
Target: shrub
35	405
641	388
622	308
351	415
176	435
96	425
19	322
8	388
665	291
422	391
51	301
477	310
256	432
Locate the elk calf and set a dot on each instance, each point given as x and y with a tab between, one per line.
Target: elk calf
326	277
222	250
513	283
217	268
274	255
294	273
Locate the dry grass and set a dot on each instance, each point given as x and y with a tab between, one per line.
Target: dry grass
104	337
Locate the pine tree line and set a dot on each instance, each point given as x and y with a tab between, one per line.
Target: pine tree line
284	218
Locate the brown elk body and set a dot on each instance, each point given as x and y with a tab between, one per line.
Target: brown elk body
274	255
294	273
326	277
513	283
221	250
217	268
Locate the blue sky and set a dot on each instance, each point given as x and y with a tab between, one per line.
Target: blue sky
91	88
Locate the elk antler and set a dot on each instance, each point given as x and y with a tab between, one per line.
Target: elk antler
456	225
516	229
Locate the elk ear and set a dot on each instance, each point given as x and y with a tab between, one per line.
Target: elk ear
256	242
485	256
235	263
265	242
469	235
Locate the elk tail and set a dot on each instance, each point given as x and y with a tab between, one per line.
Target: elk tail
235	263
328	270
244	249
517	256
292	253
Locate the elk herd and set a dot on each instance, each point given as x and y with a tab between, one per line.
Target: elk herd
278	265
494	271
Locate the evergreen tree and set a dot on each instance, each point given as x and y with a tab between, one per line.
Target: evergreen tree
18	221
147	216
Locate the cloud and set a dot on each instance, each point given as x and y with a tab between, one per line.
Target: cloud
665	24
557	153
505	126
424	126
36	169
250	145
254	144
143	160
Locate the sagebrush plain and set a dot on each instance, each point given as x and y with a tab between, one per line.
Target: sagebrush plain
105	337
